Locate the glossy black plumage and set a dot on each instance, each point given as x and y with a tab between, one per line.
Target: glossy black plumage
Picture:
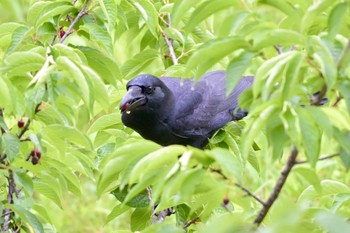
177	111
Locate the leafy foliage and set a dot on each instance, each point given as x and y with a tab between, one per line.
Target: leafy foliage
71	166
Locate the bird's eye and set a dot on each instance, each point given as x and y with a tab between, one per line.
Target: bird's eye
149	90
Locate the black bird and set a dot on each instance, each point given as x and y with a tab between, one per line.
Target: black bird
171	110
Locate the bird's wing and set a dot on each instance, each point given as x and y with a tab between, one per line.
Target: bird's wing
203	107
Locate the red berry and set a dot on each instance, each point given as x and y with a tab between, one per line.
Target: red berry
35	160
62	32
37	153
20	123
226	201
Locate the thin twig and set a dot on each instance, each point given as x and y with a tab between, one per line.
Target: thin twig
189	223
11	191
81	13
251	194
169	42
339	98
320	159
279	49
278	187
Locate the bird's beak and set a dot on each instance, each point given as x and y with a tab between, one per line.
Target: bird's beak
132	99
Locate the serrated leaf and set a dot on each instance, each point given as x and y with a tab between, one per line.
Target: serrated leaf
336	18
148	13
309	18
116	211
309	175
180	9
278	37
19	34
103	65
12	145
213	51
5	97
100	36
50	10
332	223
19	63
140	219
104	122
254	128
53	132
110	9
311	136
236	68
141	200
133	66
48	191
113	164
166	156
74	72
329	187
27	216
229	163
206	9
97	88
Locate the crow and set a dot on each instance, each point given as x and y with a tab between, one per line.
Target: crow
172	110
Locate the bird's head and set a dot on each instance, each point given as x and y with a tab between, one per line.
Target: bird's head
145	93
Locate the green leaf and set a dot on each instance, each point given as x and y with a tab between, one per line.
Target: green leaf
255	126
115	163
148	13
315	10
141	200
53	132
73	71
19	63
324	58
19	34
180	9
229	163
329	187
311	136
49	11
309	175
278	37
332	223
133	66
48	191
236	68
97	88
110	10
105	121
140	219
100	36
27	216
12	145
336	19
205	10
116	211
103	65
166	156
5	97
213	51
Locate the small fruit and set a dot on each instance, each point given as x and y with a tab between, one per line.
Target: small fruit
36	155
20	123
226	201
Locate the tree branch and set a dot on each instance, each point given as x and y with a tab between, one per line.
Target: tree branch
169	42
251	194
81	13
320	159
278	187
11	191
192	221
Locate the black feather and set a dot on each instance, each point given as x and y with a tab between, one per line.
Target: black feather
180	111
